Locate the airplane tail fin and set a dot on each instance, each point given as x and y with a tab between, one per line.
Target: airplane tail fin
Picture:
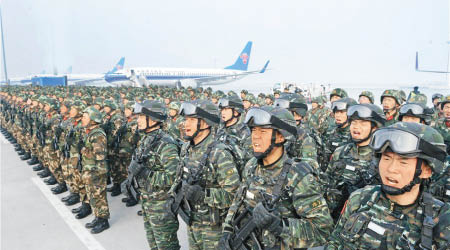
265	67
118	66
243	59
417	61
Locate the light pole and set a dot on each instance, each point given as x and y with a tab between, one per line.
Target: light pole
3	48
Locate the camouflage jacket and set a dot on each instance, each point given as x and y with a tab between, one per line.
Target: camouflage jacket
158	152
65	126
174	127
443	127
233	137
439	185
335	138
371	221
219	178
317	119
304	212
93	153
304	149
351	167
52	121
130	139
392	119
116	122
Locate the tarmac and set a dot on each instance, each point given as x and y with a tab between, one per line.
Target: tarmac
34	218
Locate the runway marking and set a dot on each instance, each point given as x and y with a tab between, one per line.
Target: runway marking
80	231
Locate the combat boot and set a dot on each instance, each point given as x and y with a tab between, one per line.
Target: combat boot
85	211
50	181
77	209
25	157
131	202
44	173
73	200
92	223
115	190
66	198
101	225
21	152
17	147
34	160
61	188
125	200
139	213
38	167
12	140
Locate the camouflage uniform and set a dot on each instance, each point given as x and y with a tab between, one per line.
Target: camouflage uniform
371	221
396	95
443	126
93	155
51	154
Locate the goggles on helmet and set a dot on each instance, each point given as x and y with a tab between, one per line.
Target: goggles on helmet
189	109
259	117
225	103
415	109
283	103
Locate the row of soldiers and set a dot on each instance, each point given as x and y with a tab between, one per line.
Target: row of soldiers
241	172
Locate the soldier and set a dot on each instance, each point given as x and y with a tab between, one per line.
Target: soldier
244	93
398	214
94	170
350	165
366	97
317	117
443	124
305	148
207	177
339	134
248	101
415	110
337	94
153	168
174	122
391	101
436	99
279	204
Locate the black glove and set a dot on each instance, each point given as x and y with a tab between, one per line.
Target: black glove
193	193
224	242
267	220
168	207
134	168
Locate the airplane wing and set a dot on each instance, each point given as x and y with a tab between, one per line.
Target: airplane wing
231	77
85	82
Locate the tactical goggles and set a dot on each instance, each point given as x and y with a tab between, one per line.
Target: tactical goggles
189	109
225	103
260	117
286	104
337	105
436	96
140	109
404	143
415	109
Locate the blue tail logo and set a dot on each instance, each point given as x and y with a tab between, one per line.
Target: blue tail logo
243	59
118	66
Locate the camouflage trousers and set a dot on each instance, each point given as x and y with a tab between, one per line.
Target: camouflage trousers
51	160
118	168
161	229
76	183
95	181
201	234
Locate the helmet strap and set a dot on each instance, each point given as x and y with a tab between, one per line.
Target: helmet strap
416	180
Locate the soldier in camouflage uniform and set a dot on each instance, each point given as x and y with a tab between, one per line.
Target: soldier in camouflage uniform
207	177
339	134
415	110
351	165
436	100
366	97
279	198
398	214
94	169
443	124
174	124
153	170
391	101
337	94
305	147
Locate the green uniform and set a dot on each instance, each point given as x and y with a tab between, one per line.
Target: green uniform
443	126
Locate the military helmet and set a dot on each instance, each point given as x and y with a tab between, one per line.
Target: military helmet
367	112
52	103
437	96
130	105
318	100
368	94
293	102
98	101
231	93
250	98
339	92
412	139
418	98
67	103
342	104
402	95
111	104
391	93
277	118
94	114
232	102
416	109
203	109
152	108
79	105
174	105
444	101
244	91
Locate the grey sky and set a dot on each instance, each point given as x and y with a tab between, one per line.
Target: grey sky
351	42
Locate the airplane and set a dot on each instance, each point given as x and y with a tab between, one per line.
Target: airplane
185	77
429	71
72	79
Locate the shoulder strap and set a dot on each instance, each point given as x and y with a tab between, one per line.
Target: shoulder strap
426	238
282	178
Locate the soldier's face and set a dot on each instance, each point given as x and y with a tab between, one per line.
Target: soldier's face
398	171
247	104
190	125
142	122
364	99
242	95
408	118
334	98
97	106
435	102
46	108
446	110
340	116
268	101
314	105
360	129
173	112
276	96
388	103
85	120
63	109
107	109
298	118
127	112
226	114
73	112
261	139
